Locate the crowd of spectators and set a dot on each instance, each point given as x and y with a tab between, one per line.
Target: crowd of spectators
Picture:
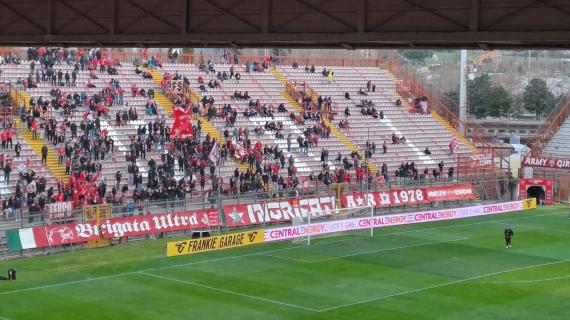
183	163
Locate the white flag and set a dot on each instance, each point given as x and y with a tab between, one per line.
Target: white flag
215	154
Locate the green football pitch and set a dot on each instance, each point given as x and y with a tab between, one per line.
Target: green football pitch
445	270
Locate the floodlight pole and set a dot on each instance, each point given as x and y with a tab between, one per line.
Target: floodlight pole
462	91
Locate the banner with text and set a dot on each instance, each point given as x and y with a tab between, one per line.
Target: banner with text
278	211
483	160
450	193
232	240
543	162
177	86
320	228
156	223
58	210
409	197
61	234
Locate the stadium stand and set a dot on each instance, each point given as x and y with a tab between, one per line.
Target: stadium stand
420	130
110	124
559	144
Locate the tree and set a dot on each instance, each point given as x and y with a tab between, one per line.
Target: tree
537	98
499	101
478	91
451	100
487	98
417	55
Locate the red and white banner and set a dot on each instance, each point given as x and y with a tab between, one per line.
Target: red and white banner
546	162
383	198
278	211
156	223
56	235
449	193
393	198
320	228
58	210
481	160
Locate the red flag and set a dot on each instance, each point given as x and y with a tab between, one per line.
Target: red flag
182	127
179	112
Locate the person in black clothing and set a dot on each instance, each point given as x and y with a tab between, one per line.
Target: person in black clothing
18	149
508	236
44	153
12	274
7	170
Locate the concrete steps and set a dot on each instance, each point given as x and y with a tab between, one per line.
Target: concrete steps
58	170
334	130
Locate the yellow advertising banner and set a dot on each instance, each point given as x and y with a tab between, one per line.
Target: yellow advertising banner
529	203
226	241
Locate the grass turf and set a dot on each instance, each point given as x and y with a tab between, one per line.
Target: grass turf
444	270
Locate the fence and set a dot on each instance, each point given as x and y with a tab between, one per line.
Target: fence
485	190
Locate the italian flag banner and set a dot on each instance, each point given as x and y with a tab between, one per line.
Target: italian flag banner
27	238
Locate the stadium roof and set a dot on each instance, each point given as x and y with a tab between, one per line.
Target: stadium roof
293	23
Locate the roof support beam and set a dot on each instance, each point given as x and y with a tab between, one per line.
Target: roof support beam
295	17
72	20
230	13
49	27
210	19
184	16
544	2
326	14
435	13
130	23
266	16
506	39
474	15
151	14
21	15
83	15
114	16
386	20
511	14
361	16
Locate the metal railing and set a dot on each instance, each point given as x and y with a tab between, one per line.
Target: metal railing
491	188
550	126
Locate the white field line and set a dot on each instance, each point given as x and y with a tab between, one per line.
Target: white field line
133	272
3	318
387	249
284	258
526	281
55	285
439	285
361	253
229	292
